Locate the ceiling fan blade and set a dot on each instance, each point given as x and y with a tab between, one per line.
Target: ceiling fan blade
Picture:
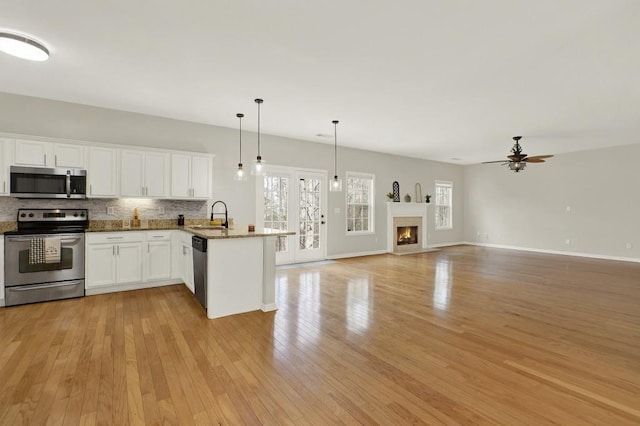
490	162
539	157
534	160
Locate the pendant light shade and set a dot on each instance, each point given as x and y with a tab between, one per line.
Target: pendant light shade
258	165
336	184
240	173
23	47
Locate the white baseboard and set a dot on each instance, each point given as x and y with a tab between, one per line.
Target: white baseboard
364	253
269	307
456	243
130	286
560	252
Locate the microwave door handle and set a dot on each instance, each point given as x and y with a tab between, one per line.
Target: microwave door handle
68	183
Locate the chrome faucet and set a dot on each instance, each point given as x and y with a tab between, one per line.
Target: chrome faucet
226	217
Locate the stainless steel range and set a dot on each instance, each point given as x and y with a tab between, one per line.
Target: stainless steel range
44	257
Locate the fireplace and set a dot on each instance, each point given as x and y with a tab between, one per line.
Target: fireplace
407	228
407	235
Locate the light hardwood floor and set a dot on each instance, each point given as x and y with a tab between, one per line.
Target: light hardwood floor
464	335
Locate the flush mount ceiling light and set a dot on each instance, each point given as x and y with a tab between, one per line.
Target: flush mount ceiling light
258	165
23	47
240	173
336	184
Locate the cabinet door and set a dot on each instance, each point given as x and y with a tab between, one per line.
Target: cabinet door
102	172
201	176
180	176
156	170
187	264
100	265
4	167
158	265
129	264
65	155
32	153
131	173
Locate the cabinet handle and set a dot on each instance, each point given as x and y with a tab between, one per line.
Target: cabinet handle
148	248
113	250
4	186
90	189
118	250
114	238
55	160
45	159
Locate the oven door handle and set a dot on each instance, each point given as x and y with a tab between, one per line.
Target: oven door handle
38	286
27	240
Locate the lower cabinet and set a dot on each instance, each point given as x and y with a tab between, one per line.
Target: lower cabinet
135	258
113	258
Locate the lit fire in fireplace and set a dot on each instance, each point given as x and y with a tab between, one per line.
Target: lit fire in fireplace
407	235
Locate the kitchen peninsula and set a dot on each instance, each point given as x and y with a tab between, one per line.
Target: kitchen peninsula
240	269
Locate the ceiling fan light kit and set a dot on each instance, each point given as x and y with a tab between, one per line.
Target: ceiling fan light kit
518	160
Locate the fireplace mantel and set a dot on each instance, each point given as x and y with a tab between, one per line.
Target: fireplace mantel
406	210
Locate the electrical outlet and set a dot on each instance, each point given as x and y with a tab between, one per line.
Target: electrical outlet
486	236
111	210
161	210
567	241
629	245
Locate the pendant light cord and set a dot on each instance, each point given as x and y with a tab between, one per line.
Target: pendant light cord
239	115
335	148
259	101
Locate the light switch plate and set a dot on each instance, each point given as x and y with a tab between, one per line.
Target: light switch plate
111	210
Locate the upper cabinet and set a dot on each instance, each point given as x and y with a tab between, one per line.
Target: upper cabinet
191	176
144	174
102	172
47	154
5	153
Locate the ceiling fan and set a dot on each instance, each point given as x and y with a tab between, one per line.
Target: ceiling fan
518	160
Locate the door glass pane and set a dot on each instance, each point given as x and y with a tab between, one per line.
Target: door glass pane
275	207
309	213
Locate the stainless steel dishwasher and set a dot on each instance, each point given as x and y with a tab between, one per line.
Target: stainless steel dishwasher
200	269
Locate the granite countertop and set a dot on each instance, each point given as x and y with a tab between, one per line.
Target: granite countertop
213	234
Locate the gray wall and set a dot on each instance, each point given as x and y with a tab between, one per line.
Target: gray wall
529	209
41	117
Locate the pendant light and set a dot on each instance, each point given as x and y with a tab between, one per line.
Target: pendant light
23	47
336	184
258	165
240	173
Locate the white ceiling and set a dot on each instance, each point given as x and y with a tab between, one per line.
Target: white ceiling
435	79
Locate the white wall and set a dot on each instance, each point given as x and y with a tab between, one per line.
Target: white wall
41	117
529	209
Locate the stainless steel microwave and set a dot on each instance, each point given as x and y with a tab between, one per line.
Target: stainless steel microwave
40	182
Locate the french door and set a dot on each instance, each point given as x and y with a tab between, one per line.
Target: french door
294	200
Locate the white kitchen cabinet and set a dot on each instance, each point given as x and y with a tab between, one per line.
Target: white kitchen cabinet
5	152
191	176
144	174
158	256
113	258
183	255
102	172
47	154
1	271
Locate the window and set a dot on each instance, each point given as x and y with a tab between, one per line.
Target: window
359	203
275	207
444	193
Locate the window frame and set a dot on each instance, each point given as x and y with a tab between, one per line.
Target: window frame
448	184
371	203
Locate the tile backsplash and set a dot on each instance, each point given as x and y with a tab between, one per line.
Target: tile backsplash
122	208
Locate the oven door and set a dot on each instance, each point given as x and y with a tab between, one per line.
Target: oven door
19	271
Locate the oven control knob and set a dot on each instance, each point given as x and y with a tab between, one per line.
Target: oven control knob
82	214
23	215
30	214
75	214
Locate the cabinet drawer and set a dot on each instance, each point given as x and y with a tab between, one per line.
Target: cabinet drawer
114	237
158	235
